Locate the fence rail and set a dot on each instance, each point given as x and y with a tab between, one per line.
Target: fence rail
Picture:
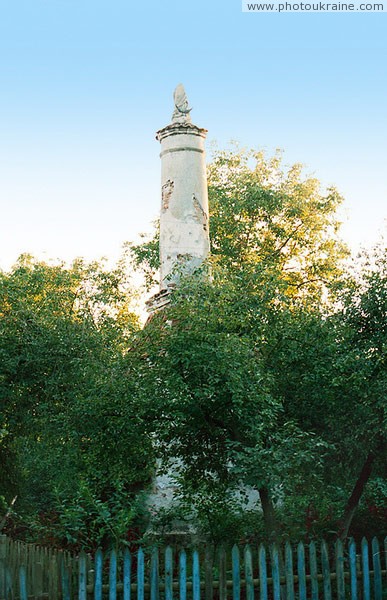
315	571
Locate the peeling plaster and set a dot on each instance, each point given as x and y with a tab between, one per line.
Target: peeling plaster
166	193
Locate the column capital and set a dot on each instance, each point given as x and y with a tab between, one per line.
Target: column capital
180	129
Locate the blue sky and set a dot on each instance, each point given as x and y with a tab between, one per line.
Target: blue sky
84	86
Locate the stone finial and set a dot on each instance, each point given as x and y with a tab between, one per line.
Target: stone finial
182	110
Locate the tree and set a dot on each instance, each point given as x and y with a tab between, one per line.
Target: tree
273	248
247	384
270	222
364	317
71	431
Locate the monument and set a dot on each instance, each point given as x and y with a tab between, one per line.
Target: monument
184	235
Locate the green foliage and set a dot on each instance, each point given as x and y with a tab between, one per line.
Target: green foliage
249	393
216	404
371	518
365	317
268	219
69	417
264	385
79	518
269	376
262	213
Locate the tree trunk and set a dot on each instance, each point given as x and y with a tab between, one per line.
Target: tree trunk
269	518
353	501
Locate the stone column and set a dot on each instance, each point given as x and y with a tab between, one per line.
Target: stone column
184	237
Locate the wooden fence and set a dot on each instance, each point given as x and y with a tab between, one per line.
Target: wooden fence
307	571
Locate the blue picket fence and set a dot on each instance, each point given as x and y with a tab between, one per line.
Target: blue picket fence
307	571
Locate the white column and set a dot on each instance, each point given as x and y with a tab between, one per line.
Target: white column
184	237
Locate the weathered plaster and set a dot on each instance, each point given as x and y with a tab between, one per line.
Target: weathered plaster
184	238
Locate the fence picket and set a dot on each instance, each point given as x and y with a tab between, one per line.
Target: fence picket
262	572
90	571
378	592
313	570
289	572
8	584
236	578
140	574
113	575
82	591
98	575
154	579
195	576
353	569
249	573
366	570
51	575
65	582
39	573
340	570
275	572
301	571
326	571
222	574
168	574
23	583
183	575
74	570
127	573
28	571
